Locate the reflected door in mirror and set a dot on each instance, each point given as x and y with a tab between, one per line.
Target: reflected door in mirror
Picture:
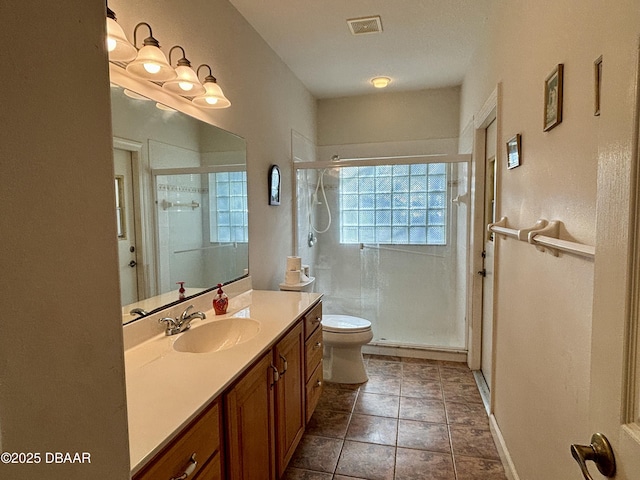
125	217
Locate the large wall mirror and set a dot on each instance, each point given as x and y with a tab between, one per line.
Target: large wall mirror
181	203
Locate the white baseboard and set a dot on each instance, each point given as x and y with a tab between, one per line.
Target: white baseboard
505	457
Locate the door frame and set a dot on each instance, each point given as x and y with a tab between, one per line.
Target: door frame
485	116
142	223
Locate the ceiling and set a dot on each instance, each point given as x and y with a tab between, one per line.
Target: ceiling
423	44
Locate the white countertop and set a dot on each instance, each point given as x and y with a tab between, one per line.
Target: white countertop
166	389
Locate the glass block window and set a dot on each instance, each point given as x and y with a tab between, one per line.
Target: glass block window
394	204
228	207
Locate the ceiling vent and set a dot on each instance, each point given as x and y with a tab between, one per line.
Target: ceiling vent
362	26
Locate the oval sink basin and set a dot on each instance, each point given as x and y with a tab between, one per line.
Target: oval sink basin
217	335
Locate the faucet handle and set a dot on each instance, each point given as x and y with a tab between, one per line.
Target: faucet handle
171	324
185	314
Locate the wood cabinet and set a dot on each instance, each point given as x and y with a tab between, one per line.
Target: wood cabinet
250	424
313	359
290	392
196	451
267	409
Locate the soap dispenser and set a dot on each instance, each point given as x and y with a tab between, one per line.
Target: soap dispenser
220	301
181	291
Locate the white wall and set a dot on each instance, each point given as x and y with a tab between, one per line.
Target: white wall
61	356
543	308
267	101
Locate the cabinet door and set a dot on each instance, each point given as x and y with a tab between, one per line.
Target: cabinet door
250	427
290	390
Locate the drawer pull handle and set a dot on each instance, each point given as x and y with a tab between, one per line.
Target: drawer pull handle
276	375
285	364
319	383
318	345
317	320
189	470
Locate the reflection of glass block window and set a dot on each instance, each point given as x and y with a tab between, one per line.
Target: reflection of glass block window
228	207
394	204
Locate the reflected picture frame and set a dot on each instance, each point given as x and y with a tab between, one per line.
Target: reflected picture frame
553	86
514	147
274	185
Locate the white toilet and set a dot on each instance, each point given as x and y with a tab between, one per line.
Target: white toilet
343	338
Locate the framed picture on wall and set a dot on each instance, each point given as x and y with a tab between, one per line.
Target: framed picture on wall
597	71
553	98
513	152
274	185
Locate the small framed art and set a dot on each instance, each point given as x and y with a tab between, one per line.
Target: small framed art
514	152
274	185
553	98
597	72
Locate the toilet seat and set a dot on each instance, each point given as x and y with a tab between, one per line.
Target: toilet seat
344	324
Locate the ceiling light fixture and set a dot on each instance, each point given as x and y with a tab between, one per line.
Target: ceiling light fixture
380	82
119	48
186	82
150	63
213	96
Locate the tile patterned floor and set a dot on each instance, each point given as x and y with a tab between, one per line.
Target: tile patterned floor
413	419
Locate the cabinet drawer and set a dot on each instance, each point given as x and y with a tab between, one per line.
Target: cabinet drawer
202	437
312	320
314	389
313	356
212	470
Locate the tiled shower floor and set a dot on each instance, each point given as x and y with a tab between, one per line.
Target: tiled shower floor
413	419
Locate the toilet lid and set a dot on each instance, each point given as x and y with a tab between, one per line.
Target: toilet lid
344	324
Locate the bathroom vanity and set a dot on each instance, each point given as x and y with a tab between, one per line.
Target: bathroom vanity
231	396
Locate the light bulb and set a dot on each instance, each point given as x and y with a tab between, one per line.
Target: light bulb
152	68
186	86
211	101
111	44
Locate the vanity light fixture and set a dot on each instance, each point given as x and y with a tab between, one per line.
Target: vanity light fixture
186	82
380	82
213	96
150	63
119	48
166	108
135	95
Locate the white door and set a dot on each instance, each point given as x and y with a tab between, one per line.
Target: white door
486	362
614	397
125	209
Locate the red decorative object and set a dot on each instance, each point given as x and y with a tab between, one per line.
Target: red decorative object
220	301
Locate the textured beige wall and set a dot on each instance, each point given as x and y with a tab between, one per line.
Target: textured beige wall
389	117
61	361
543	308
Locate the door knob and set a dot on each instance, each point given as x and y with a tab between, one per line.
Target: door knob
482	273
132	263
599	452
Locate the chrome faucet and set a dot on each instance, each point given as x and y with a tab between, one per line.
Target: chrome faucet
139	311
183	322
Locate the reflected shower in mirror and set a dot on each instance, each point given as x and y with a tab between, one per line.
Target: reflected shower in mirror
181	207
